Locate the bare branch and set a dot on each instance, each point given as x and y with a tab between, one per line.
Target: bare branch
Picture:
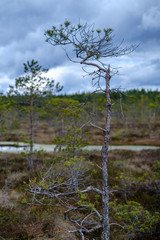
94	65
93	125
41	191
90	188
87	230
91	45
117	224
85	124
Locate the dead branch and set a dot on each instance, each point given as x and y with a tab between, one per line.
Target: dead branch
102	129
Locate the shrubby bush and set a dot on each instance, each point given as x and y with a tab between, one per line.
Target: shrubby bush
133	218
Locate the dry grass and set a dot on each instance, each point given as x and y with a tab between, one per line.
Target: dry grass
9	198
43	223
45	132
62	229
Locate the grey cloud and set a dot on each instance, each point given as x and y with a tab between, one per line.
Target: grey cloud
151	19
144	74
131	20
17	17
156	64
26	21
22	26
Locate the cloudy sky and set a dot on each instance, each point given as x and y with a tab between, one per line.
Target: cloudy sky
23	23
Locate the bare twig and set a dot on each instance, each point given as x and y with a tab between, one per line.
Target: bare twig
117	224
93	125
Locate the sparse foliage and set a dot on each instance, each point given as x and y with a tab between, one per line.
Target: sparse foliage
90	47
32	84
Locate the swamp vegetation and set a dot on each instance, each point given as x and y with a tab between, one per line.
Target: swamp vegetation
134	204
134	177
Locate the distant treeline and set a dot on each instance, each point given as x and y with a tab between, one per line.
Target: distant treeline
130	109
115	95
130	96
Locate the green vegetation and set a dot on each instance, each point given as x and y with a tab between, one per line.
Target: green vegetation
31	86
134	121
133	173
67	179
83	186
133	177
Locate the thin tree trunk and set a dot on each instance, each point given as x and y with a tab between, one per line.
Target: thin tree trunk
94	110
149	121
104	153
31	133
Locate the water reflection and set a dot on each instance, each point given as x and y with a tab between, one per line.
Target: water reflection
13	147
19	147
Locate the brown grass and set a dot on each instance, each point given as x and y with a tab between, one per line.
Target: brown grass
44	132
9	198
